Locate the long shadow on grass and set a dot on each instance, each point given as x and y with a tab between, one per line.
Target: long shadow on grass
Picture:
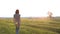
46	28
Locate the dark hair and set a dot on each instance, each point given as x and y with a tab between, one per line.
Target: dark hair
17	11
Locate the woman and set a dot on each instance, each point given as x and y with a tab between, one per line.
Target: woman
17	20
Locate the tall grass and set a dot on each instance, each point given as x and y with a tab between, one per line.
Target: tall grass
31	26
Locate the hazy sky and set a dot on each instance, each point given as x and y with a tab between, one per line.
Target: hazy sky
29	8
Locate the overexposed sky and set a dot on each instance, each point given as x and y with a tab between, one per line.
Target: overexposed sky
29	8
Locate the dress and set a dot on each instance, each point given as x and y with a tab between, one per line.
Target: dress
17	18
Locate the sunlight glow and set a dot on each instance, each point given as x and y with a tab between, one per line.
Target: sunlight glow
29	8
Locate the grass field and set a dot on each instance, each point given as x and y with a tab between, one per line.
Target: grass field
31	26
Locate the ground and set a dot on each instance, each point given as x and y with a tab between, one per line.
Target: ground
31	26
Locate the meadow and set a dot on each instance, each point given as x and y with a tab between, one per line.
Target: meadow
31	26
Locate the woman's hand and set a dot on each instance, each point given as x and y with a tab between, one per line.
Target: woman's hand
17	25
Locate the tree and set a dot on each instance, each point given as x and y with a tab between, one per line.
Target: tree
49	14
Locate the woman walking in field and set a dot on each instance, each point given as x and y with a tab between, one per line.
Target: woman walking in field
17	20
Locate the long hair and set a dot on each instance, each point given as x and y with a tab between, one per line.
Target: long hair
17	11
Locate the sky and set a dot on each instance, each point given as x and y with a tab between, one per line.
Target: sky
29	8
